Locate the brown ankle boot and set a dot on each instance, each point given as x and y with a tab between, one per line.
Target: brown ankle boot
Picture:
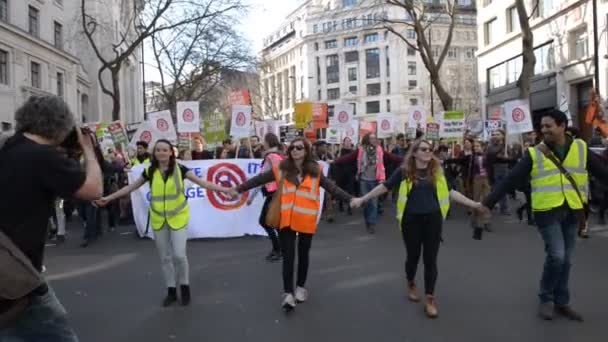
412	294
431	307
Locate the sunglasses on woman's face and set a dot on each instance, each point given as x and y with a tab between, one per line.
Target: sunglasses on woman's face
297	147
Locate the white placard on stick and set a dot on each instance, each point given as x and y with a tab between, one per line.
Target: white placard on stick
386	125
162	123
188	118
518	117
352	132
241	121
416	117
144	133
343	115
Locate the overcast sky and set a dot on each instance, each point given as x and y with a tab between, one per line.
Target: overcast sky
264	17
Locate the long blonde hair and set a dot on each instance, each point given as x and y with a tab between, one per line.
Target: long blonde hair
409	163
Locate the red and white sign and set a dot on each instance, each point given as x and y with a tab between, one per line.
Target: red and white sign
386	125
188	119
162	126
518	117
144	133
241	121
352	132
343	115
416	117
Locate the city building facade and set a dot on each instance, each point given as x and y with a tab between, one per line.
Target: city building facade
339	52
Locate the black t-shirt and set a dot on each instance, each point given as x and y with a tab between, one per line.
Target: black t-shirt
182	168
422	198
32	176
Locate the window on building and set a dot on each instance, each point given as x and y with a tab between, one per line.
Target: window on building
319	95
373	89
411	51
315	28
372	63
435	52
332	69
489	31
331	44
411	68
579	44
388	62
508	72
3	67
545	59
318	71
349	3
372	107
58	35
388	105
470	53
333	93
4	10
388	87
453	53
410	34
514	69
34	19
351	41
351	56
512	20
352	90
413	102
35	74
352	74
60	84
412	84
354	108
370	38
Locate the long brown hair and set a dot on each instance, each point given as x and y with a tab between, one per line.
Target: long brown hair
409	163
309	165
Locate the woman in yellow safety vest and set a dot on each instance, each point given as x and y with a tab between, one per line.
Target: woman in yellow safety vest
169	214
424	191
299	178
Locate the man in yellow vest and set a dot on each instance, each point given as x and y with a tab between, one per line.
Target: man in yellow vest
143	157
556	204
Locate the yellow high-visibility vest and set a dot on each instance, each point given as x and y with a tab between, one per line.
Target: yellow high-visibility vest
167	200
443	196
137	162
550	188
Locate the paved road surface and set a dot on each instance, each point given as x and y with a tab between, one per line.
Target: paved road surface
486	289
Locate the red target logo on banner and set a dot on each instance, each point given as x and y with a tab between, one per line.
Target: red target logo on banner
350	132
385	125
241	119
188	115
417	115
518	115
162	125
145	136
226	175
343	117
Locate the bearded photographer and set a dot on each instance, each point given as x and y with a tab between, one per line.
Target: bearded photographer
32	174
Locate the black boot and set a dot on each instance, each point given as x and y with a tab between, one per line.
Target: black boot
185	294
171	296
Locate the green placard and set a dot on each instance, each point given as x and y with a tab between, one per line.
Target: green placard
214	129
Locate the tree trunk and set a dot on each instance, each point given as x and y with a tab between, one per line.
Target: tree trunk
447	101
116	94
527	45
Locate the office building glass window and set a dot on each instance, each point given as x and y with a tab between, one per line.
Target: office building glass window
412	84
545	59
373	89
332	69
354	108
60	85
411	68
414	102
453	53
512	20
352	90
351	41
579	44
470	53
370	38
3	67
58	35
319	95
4	10
318	71
411	51
331	44
388	62
490	31
372	63
35	74
33	20
352	74
372	107
315	28
388	105
388	87
410	34
333	93
349	3
351	56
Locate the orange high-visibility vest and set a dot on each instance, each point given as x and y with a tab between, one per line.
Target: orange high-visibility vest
299	204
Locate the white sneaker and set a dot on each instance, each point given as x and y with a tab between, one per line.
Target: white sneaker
301	294
289	303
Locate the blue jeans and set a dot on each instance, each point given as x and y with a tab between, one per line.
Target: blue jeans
44	320
371	207
92	221
503	203
559	234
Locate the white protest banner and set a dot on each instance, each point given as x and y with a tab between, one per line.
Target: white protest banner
188	118
241	121
212	214
493	125
144	133
162	123
399	126
386	125
453	125
333	135
343	115
416	117
352	132
518	117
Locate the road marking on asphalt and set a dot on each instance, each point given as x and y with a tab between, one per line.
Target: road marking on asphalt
111	262
126	233
50	245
